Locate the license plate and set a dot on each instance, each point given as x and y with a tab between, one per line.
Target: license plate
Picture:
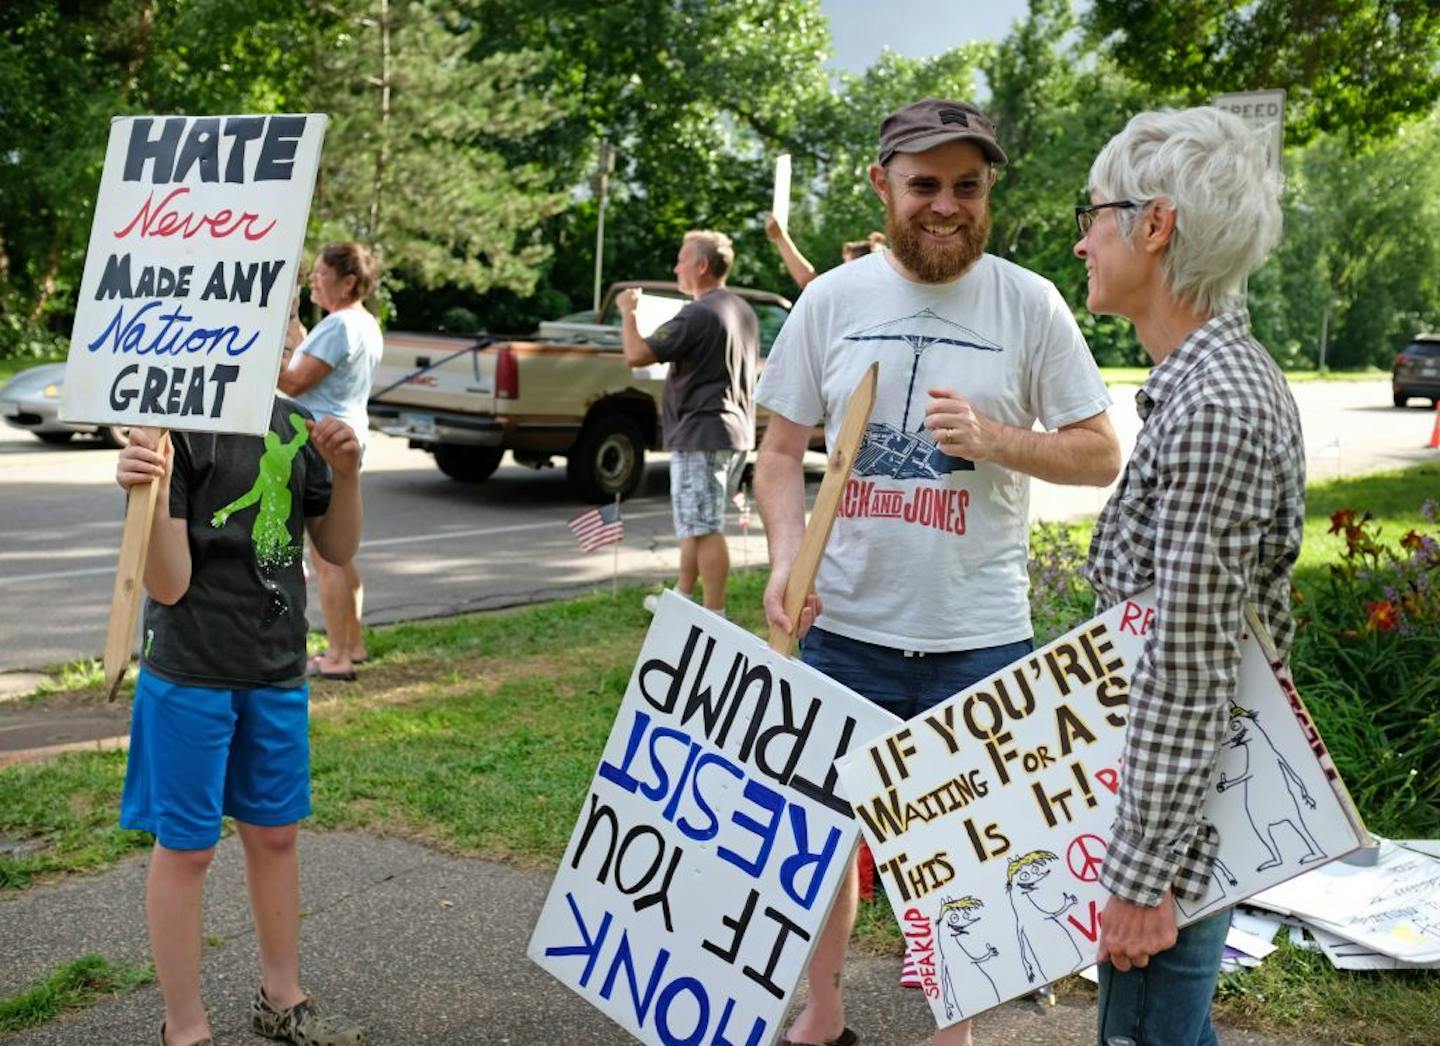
1431	370
419	424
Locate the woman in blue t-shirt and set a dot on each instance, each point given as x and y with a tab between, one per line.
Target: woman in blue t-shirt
330	373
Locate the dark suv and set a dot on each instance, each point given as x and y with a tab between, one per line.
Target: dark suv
1417	370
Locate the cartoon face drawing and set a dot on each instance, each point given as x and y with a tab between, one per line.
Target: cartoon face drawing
1039	901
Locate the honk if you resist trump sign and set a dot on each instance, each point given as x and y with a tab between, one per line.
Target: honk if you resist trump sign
990	815
712	839
193	258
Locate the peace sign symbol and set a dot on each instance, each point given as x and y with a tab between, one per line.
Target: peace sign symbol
1084	856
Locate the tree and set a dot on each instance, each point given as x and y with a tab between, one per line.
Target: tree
1363	240
1357	66
414	162
1054	108
411	164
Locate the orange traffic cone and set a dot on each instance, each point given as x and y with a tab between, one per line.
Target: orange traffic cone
1435	432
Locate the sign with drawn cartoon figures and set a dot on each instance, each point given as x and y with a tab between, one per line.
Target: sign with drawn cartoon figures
712	839
192	263
989	815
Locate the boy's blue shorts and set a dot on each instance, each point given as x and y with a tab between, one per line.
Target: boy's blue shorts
198	752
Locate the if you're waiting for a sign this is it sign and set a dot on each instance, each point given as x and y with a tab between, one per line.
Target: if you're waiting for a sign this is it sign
193	259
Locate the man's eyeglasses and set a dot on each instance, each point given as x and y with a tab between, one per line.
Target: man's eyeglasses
1085	214
972	187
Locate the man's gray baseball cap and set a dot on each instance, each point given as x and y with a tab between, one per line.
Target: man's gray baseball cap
934	121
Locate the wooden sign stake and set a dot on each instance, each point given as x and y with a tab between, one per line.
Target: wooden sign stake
827	503
130	578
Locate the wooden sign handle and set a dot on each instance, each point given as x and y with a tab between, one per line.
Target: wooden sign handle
130	577
827	502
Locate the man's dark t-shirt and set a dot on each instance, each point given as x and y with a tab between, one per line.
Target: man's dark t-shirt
241	623
712	346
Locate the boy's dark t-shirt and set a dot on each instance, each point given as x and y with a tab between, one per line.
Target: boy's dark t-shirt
241	623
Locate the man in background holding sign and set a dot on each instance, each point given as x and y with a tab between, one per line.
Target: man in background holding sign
924	579
1209	511
712	346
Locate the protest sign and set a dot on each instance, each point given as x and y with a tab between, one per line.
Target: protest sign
712	840
192	263
780	192
989	816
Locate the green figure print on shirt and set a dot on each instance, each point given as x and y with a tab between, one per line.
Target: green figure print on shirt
270	533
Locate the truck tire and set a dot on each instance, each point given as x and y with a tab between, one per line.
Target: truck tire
467	464
607	459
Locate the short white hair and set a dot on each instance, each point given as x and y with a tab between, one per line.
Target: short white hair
1211	168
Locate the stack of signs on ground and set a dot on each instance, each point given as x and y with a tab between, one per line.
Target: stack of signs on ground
1381	916
191	269
712	840
989	816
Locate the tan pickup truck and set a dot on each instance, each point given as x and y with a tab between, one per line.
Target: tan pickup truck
565	392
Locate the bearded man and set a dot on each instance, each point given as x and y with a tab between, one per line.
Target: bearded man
924	582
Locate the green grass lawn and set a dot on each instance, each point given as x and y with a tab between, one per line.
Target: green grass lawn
517	706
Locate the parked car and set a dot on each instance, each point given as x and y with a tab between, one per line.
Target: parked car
564	391
31	401
1417	371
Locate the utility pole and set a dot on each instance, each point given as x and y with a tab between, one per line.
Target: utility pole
603	170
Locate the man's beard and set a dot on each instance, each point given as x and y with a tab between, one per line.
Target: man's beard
932	262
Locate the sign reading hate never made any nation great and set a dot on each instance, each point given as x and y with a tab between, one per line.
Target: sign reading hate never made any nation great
192	263
712	839
989	816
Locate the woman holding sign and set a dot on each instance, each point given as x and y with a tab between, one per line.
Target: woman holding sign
1209	511
330	373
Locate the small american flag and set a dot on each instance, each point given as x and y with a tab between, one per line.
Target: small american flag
743	504
597	527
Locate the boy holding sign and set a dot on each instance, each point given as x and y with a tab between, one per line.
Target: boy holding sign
220	722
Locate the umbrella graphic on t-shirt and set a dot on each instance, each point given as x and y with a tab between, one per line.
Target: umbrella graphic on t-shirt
900	451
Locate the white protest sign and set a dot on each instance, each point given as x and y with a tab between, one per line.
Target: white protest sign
1262	111
989	816
1392	907
713	838
192	264
780	199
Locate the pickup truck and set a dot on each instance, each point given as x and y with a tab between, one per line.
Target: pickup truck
563	392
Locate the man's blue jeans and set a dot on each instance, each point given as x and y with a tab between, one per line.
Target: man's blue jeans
1168	1002
904	685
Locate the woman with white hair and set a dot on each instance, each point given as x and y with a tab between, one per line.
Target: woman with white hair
1208	511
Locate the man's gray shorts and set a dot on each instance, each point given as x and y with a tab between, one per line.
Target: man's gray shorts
701	482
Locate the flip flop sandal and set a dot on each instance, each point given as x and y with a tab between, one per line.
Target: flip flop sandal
845	1038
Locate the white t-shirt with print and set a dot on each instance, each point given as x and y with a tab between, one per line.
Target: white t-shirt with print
928	552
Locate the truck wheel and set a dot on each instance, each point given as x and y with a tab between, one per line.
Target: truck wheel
1400	399
608	459
468	464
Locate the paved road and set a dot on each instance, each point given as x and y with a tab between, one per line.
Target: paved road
436	547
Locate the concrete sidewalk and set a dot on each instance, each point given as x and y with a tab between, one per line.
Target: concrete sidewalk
420	946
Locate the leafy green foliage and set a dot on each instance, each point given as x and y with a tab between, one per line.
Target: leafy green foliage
1357	66
1367	657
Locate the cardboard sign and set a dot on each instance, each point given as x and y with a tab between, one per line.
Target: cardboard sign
780	196
192	264
989	816
712	840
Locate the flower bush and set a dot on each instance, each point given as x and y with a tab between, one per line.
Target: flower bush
1367	661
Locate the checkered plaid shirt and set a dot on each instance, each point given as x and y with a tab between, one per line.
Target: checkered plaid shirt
1209	511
